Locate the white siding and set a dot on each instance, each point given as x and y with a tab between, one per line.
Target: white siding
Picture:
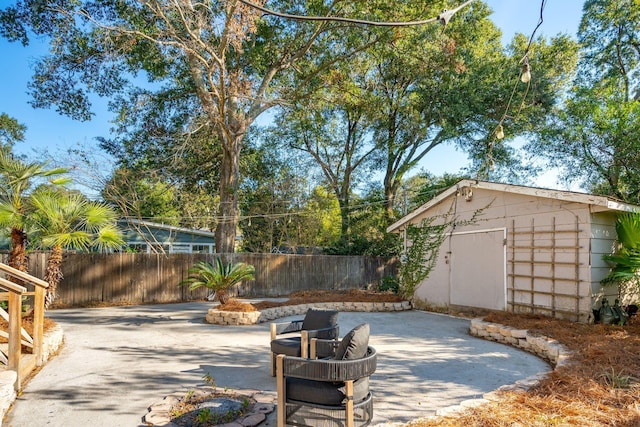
534	225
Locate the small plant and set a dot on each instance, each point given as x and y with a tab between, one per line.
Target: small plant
245	404
176	412
209	380
390	284
204	416
219	277
617	380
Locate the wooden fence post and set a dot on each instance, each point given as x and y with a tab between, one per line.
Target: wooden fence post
38	324
15	326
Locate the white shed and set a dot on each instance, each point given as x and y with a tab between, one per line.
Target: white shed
529	250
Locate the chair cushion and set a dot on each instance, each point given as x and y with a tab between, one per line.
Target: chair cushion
325	393
319	319
289	346
354	345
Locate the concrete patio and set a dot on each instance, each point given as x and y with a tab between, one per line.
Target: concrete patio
117	361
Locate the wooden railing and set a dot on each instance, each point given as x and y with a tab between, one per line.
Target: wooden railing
16	335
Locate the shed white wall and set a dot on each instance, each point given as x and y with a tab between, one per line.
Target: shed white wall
603	236
530	222
603	240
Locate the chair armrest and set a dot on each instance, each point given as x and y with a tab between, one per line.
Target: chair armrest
332	332
328	370
323	347
279	328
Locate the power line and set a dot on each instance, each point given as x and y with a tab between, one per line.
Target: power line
444	17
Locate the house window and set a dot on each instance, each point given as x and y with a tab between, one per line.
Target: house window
201	249
180	249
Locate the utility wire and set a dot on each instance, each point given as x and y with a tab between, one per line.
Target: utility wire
444	17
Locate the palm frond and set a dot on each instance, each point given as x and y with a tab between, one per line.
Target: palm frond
626	259
217	277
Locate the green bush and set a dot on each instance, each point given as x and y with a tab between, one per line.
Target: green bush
390	283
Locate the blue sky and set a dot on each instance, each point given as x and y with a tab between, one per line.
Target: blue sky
47	130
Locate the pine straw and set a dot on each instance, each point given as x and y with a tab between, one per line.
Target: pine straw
27	324
600	387
307	297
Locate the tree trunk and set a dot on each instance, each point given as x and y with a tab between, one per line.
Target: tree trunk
53	274
229	215
223	296
389	201
18	255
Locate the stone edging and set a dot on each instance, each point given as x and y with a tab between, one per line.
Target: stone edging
218	317
51	342
159	415
543	347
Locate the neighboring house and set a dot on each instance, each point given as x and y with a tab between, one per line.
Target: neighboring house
530	249
5	242
150	237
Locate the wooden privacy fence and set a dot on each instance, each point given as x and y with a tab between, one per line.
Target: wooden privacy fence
141	278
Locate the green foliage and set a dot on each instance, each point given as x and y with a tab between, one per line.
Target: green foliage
17	179
421	256
626	258
207	86
421	188
11	131
281	205
219	277
70	221
618	380
593	136
204	416
390	284
144	197
388	245
425	241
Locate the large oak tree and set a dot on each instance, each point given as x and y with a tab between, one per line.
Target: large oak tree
223	61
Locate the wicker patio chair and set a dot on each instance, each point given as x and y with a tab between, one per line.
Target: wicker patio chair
317	323
328	392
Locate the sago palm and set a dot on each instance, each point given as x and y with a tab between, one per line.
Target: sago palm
219	277
16	180
626	258
66	220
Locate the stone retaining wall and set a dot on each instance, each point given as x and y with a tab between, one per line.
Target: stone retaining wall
546	348
218	317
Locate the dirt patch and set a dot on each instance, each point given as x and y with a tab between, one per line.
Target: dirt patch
600	387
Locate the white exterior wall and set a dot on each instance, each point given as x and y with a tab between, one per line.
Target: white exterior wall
519	214
603	236
603	240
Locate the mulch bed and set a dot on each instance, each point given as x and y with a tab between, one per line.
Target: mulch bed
306	297
27	324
